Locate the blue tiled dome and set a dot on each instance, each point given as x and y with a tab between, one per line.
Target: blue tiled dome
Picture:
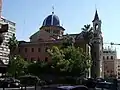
51	20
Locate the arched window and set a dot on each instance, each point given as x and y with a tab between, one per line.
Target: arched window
39	49
32	49
112	57
25	49
46	59
107	57
96	26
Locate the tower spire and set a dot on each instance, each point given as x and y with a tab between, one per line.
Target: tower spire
96	17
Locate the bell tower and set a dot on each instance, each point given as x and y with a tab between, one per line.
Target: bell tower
97	46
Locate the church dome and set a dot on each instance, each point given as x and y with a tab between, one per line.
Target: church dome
51	20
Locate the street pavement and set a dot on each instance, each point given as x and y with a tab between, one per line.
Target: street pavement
27	88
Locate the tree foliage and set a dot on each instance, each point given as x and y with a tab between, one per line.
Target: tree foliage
37	68
68	41
13	43
88	33
70	60
17	66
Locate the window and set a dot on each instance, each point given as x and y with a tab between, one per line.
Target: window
46	59
19	49
106	67
38	59
32	59
111	71
107	57
32	49
39	49
95	54
46	49
96	26
118	73
25	49
112	57
103	58
55	31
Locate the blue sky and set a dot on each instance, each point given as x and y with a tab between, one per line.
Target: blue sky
73	14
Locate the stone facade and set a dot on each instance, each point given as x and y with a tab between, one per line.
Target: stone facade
110	62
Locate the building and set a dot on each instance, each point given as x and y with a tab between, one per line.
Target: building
51	33
118	72
4	49
110	63
97	47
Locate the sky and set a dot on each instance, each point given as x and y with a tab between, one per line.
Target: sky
73	14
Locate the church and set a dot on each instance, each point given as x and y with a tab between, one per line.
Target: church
51	34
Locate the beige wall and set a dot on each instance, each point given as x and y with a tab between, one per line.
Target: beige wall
42	54
109	62
118	68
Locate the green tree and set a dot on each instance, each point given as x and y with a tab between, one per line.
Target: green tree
68	41
88	34
17	66
69	61
37	68
13	44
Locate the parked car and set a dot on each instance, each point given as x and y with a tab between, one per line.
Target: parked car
30	80
76	87
104	86
10	83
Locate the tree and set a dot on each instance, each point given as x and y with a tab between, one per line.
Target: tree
17	66
37	68
13	44
88	34
68	41
69	61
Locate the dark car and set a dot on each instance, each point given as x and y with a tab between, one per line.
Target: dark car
104	86
10	83
76	87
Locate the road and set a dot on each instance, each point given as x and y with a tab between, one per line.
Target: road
27	88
